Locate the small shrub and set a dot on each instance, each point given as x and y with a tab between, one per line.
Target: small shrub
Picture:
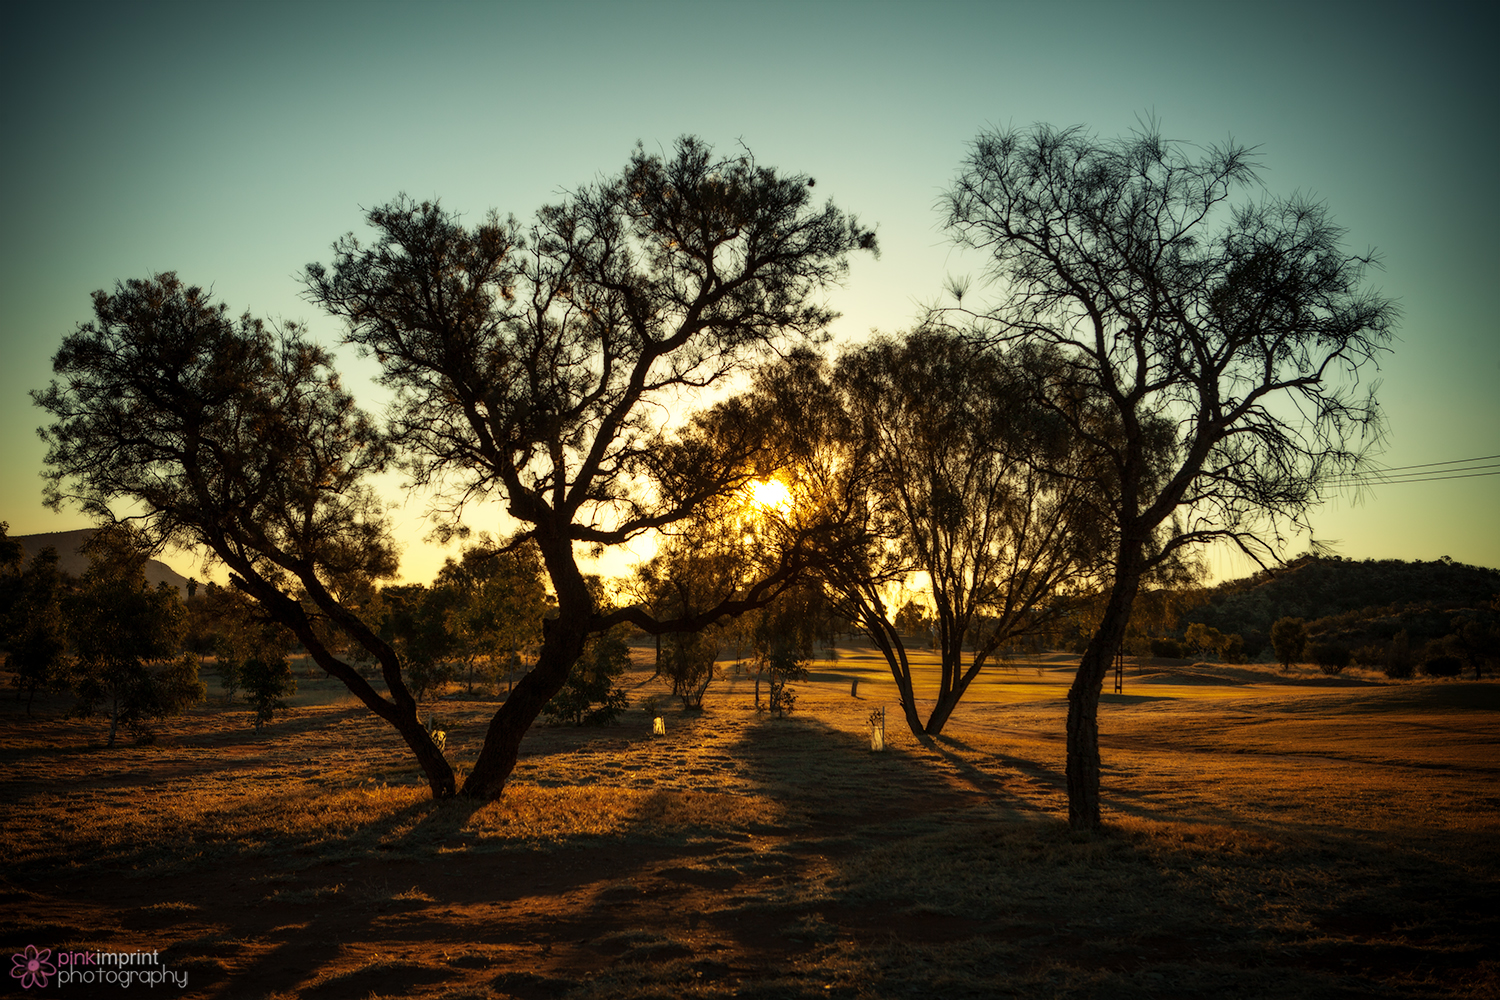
1167	648
1399	671
268	682
589	697
1330	657
1443	666
1288	639
688	660
1399	662
781	667
1233	648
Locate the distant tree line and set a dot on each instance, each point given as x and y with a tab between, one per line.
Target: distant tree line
108	637
1394	615
1316	588
1400	641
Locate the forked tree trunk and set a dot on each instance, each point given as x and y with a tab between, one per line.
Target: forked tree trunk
562	645
948	699
942	711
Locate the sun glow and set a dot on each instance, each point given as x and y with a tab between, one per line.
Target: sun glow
771	494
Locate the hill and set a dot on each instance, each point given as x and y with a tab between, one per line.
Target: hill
73	562
1315	587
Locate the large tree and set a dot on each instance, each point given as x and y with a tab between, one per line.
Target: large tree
1211	352
535	366
225	434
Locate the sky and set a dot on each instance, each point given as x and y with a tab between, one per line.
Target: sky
233	143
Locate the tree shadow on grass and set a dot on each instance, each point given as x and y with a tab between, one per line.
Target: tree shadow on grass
910	882
921	870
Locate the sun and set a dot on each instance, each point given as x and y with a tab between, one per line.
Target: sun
771	494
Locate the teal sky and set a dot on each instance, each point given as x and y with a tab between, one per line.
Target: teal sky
233	143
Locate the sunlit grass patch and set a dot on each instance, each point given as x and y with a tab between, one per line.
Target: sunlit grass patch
161	832
372	977
194	825
413	895
531	813
316	894
642	945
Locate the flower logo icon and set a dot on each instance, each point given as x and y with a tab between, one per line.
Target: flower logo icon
32	967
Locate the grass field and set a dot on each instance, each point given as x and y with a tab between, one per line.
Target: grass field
1268	836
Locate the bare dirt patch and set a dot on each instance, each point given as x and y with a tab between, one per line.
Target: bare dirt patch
1265	840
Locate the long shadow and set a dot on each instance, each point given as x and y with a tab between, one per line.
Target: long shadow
982	778
895	855
915	843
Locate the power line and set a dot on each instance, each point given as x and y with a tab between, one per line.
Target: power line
1433	472
1428	465
1377	481
1382	476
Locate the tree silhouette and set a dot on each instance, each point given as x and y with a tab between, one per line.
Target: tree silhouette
525	365
923	455
523	361
1289	640
1219	349
233	437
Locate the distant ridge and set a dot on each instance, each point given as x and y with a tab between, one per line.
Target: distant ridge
73	562
1314	588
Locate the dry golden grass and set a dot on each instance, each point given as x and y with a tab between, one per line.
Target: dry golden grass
1268	836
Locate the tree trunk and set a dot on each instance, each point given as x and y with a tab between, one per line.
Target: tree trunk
1083	739
1083	702
941	712
562	645
953	693
435	766
890	645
